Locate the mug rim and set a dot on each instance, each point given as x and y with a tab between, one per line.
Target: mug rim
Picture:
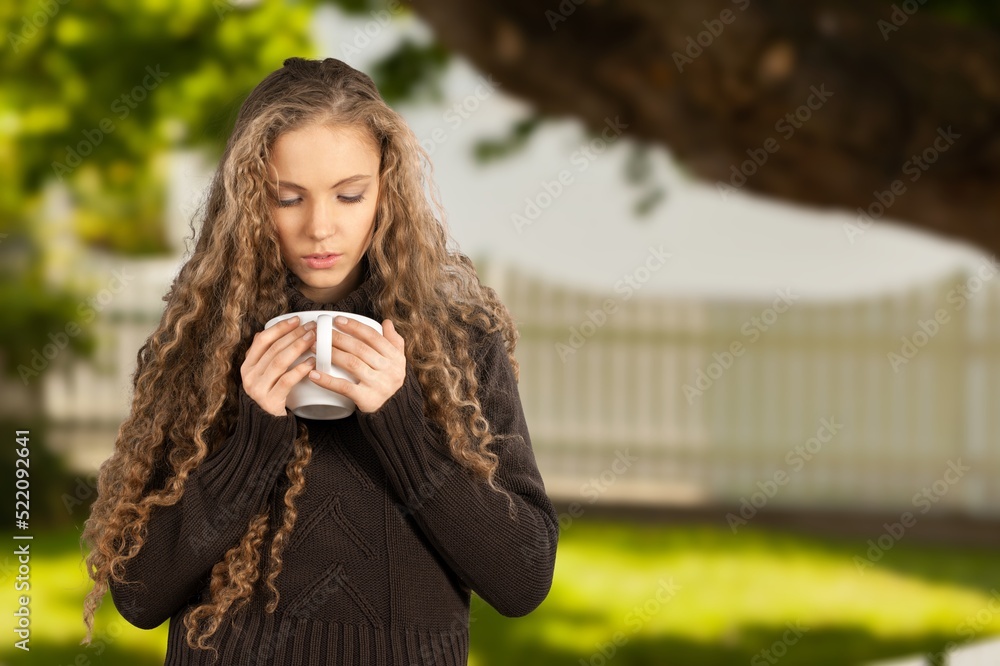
351	315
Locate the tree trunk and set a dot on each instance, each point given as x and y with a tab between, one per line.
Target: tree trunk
853	104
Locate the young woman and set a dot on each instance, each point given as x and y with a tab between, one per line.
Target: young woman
267	538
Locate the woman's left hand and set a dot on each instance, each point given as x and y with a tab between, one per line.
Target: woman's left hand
376	360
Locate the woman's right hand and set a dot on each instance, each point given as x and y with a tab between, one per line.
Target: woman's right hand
265	370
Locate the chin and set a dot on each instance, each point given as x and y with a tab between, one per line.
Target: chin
321	283
325	279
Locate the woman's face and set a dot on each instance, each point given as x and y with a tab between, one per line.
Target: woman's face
325	181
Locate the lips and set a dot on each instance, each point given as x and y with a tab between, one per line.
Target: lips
320	261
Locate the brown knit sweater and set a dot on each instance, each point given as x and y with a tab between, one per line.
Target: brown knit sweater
391	534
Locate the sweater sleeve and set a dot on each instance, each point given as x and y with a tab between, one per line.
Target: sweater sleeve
507	561
221	495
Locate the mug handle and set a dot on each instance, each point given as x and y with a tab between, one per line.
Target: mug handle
324	343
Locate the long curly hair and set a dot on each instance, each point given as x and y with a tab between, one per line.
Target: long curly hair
184	388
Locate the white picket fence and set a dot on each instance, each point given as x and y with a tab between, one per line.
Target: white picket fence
897	431
620	394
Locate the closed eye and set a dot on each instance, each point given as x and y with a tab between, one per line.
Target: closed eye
285	203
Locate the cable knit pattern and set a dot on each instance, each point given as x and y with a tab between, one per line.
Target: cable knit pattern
391	538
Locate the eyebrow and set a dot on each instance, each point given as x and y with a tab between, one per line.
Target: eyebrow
349	179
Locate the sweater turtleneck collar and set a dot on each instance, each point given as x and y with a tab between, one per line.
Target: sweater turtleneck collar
360	301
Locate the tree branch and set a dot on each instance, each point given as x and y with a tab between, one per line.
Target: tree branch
832	100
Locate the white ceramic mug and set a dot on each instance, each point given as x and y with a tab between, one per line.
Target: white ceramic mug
307	399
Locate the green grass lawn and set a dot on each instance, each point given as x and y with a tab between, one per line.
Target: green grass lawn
637	594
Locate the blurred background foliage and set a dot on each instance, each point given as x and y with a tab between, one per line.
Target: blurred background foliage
73	109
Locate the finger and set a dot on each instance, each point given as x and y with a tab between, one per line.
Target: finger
335	384
393	335
355	329
301	341
357	351
263	339
282	353
294	375
358	367
282	348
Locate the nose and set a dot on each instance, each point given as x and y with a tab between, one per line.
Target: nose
320	223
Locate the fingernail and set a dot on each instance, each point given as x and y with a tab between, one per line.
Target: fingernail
293	320
314	374
341	320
